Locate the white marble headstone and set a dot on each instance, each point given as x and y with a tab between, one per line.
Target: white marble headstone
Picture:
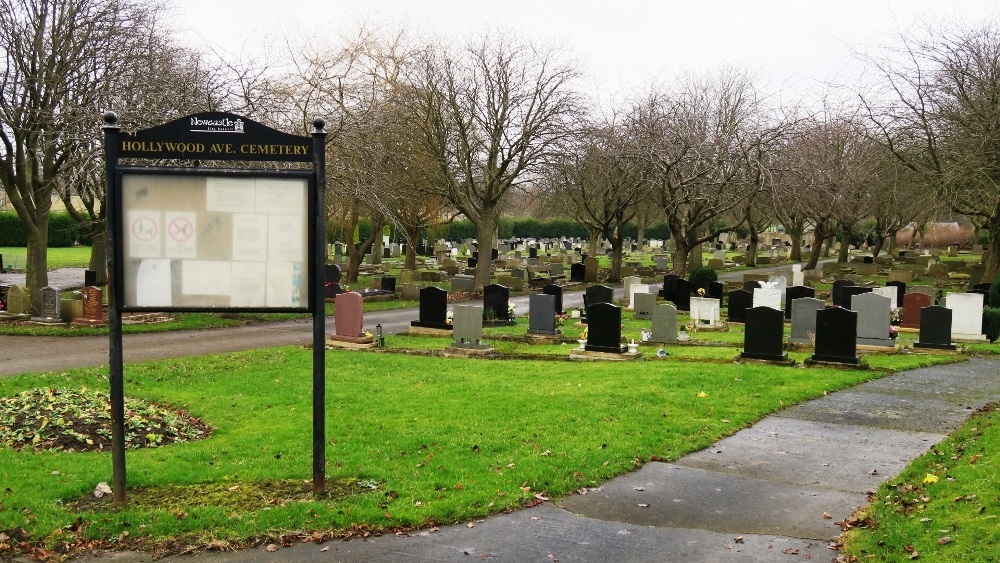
798	278
966	315
767	297
889	291
705	311
636	288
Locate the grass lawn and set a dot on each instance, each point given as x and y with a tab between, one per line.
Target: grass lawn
412	440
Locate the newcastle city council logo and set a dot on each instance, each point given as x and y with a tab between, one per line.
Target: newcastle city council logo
223	125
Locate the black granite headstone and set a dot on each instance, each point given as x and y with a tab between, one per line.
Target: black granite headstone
557	292
795	292
389	284
89	278
604	332
836	336
836	293
751	285
471	262
764	334
935	328
738	303
715	290
494	254
577	272
496	299
433	309
681	295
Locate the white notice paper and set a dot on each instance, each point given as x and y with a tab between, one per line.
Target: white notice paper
205	278
179	230
153	284
249	237
248	284
284	237
284	281
143	233
285	197
232	195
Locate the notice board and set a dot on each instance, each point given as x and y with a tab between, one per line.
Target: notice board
225	240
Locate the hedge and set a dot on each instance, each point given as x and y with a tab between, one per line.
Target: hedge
63	230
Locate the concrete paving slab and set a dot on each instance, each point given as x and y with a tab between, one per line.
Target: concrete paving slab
968	384
542	533
669	495
866	406
819	454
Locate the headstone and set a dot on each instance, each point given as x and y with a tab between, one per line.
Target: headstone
634	289
866	268
900	291
433	309
715	290
798	278
928	290
496	302
604	332
349	315
542	314
662	262
577	272
935	328
468	331
681	294
627	282
90	278
739	301
750	285
967	315
796	292
764	334
557	292
644	305
938	271
664	330
904	276
716	264
590	269
887	291
463	283
874	317
4	288
410	292
767	297
331	281
837	292
18	300
597	294
849	292
705	312
804	319
836	336
93	307
913	302
50	305
388	284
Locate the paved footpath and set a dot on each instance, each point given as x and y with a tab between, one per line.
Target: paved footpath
773	492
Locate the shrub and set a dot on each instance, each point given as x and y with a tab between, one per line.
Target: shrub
700	277
991	323
993	299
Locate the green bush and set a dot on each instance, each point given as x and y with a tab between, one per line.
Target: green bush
700	277
991	323
993	299
63	230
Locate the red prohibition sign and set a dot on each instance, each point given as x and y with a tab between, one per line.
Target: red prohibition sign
144	229
180	229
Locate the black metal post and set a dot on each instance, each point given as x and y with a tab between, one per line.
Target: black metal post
116	375
319	309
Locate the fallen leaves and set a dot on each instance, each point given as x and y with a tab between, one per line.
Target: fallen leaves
702	395
931	478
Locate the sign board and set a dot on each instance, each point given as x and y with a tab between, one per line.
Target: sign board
211	240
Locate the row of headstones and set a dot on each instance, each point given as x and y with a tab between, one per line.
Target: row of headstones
433	310
15	301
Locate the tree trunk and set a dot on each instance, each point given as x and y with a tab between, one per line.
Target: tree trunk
411	233
593	244
99	255
36	261
991	254
695	256
845	246
615	276
485	233
681	252
752	246
817	249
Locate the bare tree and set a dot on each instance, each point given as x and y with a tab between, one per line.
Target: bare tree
491	117
943	121
59	55
703	141
600	183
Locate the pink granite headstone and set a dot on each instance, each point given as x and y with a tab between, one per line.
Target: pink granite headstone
912	303
349	315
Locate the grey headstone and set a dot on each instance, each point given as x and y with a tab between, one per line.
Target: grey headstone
804	319
644	305
18	300
542	314
468	323
664	324
874	316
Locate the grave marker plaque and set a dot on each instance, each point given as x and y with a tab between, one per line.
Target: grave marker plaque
50	304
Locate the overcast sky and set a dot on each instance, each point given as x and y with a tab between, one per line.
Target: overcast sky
791	45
